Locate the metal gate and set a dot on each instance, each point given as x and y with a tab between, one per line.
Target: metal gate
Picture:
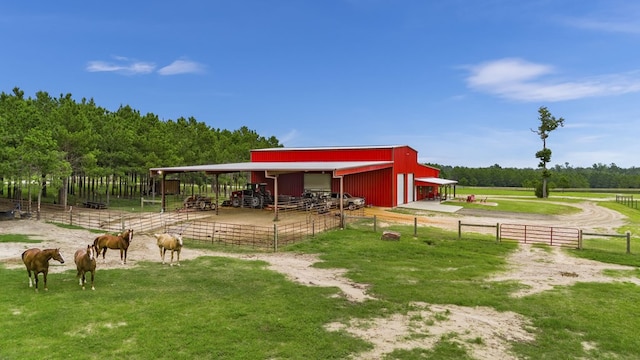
530	234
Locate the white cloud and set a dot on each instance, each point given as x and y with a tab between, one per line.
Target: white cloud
289	137
518	79
606	26
182	67
122	65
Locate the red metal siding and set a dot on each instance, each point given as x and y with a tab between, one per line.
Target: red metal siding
288	184
330	154
378	187
291	184
375	186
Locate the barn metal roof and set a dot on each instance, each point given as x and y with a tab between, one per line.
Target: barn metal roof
437	181
279	167
331	148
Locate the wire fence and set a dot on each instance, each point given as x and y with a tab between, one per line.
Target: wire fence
200	226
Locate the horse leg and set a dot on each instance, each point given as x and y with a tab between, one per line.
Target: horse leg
164	252
83	281
44	276
78	275
92	276
178	253
35	280
104	252
123	260
30	281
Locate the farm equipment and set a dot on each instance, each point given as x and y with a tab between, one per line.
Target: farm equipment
199	202
316	200
255	195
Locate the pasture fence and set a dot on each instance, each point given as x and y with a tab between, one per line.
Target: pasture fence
551	235
200	226
254	236
626	235
627	200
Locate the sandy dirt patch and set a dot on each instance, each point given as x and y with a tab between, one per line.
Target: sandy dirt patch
485	332
543	269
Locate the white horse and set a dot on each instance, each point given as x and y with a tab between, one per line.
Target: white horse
172	242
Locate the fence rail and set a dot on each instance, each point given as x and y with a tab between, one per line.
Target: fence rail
555	236
627	235
560	236
627	200
197	226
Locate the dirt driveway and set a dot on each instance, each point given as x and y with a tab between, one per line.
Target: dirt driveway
541	270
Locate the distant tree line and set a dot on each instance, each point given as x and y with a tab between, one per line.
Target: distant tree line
598	176
81	146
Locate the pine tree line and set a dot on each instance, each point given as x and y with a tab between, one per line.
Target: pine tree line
80	146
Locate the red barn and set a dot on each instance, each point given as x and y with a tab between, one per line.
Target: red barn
384	175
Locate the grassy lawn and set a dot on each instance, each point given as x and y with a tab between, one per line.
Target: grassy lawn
524	192
532	206
17	238
222	308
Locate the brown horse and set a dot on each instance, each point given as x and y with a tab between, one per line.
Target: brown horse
85	262
37	260
171	242
107	241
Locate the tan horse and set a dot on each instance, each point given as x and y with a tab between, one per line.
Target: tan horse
37	261
172	242
85	262
107	241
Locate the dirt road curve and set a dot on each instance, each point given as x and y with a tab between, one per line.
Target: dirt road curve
591	218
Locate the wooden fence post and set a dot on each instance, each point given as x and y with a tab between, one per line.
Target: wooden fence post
459	229
275	237
415	226
498	232
628	242
580	239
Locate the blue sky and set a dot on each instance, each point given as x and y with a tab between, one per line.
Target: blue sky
460	81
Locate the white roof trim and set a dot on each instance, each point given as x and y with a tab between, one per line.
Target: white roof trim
273	166
438	181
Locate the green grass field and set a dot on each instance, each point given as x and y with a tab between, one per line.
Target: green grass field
223	308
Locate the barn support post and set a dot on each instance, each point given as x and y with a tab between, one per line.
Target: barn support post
341	202
415	226
163	205
275	194
217	185
459	229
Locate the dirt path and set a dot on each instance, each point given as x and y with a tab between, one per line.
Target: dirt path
538	269
591	218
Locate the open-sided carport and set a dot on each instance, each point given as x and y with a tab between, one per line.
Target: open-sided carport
272	170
